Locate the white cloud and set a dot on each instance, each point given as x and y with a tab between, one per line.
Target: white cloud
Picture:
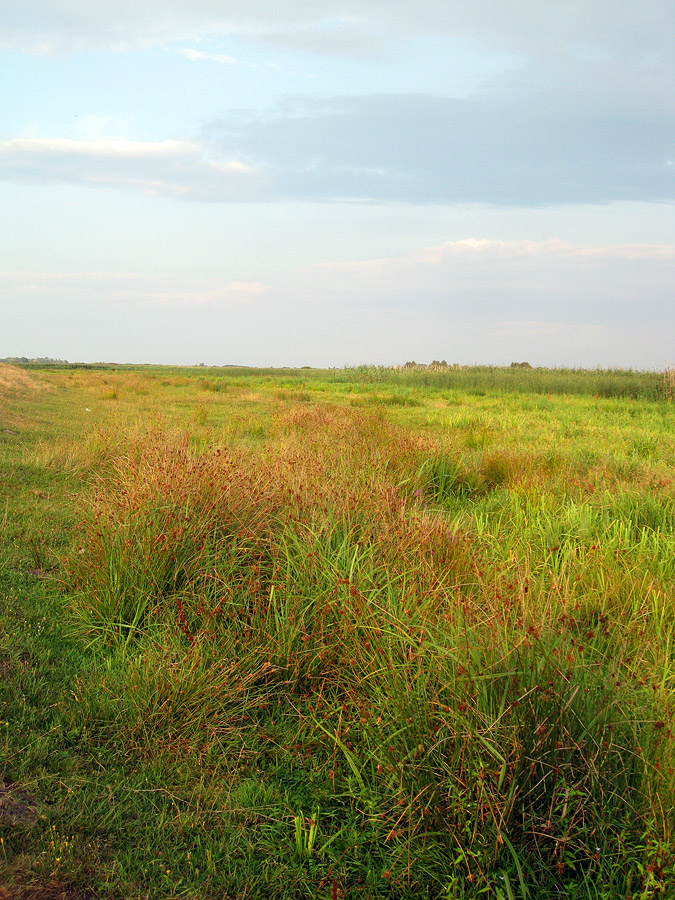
531	27
212	292
195	55
482	255
105	148
131	290
177	168
502	284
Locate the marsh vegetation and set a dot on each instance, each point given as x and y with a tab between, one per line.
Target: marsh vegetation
347	633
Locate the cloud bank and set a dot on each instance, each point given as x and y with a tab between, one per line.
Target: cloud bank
550	302
505	148
532	28
410	148
586	116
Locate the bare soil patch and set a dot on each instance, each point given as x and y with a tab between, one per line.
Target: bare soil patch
50	890
17	806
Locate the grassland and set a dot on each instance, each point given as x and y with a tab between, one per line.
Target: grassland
349	633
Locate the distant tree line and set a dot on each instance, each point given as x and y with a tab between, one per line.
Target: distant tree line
442	364
40	360
435	364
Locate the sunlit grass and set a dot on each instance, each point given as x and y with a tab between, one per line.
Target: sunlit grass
414	645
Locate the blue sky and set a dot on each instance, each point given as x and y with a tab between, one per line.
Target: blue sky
331	182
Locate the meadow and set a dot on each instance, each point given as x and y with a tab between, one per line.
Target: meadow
360	633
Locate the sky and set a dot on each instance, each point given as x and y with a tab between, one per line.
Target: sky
332	182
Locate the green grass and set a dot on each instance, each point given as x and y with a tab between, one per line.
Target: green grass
362	633
472	380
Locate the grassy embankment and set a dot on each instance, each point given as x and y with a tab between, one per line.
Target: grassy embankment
363	634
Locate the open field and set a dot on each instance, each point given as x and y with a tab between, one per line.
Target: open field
317	634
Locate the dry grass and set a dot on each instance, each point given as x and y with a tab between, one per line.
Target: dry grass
15	380
669	383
